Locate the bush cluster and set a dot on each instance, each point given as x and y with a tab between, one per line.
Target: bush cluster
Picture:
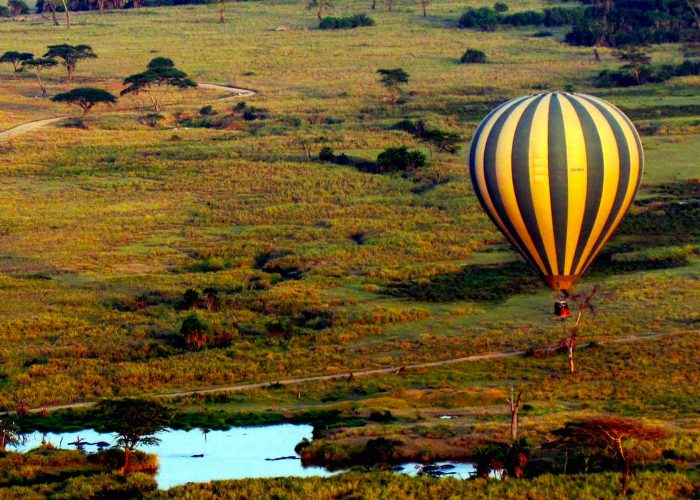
645	74
487	19
473	56
345	23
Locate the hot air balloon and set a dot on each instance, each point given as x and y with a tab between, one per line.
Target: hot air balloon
556	173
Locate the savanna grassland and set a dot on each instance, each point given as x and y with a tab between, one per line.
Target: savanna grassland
301	267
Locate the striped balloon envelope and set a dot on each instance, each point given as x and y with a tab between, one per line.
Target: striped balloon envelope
556	172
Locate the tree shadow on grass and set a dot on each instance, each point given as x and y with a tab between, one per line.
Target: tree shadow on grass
474	282
493	283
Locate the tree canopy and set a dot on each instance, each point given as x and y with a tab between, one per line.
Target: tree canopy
39	63
70	54
85	98
134	421
160	72
15	58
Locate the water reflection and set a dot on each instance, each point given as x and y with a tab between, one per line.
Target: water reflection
194	456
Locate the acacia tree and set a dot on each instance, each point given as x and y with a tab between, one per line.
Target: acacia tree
85	98
16	58
616	440
160	74
135	422
70	54
320	6
634	59
392	79
39	64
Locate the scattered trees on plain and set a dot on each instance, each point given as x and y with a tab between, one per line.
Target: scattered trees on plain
160	74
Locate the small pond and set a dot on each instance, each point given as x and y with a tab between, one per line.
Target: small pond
237	453
240	452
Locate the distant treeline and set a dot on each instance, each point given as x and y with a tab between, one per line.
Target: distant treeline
83	5
624	22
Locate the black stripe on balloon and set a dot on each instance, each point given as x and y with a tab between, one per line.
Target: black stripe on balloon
521	179
595	173
492	182
558	179
623	151
472	157
640	150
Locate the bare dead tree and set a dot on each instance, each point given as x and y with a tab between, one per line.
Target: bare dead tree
584	303
514	404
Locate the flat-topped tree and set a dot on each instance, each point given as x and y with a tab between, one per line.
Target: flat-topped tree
135	422
16	58
38	64
160	74
70	54
85	98
392	79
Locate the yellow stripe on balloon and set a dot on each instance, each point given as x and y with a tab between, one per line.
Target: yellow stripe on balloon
480	177
539	179
611	178
577	170
635	168
504	179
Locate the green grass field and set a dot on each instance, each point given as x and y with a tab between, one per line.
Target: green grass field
103	229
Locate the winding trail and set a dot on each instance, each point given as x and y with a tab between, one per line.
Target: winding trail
361	373
29	126
26	127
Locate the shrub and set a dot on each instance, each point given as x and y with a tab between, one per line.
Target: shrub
500	7
473	56
542	34
343	23
4	11
194	332
207	110
400	160
150	119
526	18
484	19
